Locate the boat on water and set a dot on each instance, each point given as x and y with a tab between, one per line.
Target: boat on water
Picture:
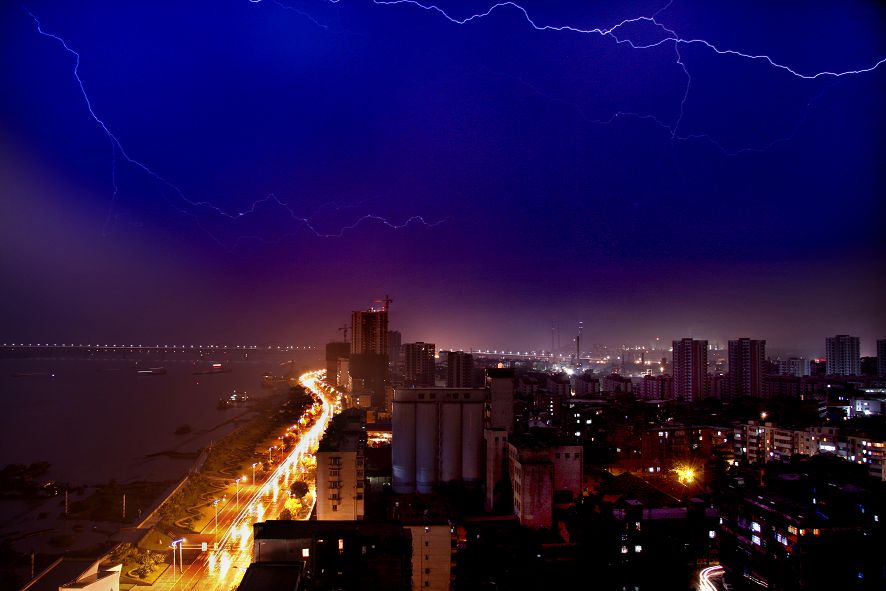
214	367
235	399
152	371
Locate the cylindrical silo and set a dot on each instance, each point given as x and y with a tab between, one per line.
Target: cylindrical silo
403	446
472	440
425	446
450	441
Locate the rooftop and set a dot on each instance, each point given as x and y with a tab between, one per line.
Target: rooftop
282	576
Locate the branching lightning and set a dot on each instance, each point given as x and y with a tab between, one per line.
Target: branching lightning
616	32
117	148
668	36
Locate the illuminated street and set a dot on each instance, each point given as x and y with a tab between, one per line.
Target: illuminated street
223	568
709	577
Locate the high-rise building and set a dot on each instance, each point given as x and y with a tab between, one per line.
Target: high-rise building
842	353
437	437
395	350
500	407
746	362
794	366
459	370
420	364
369	332
335	352
369	354
881	358
689	366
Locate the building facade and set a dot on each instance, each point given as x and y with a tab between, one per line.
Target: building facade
842	354
341	477
459	370
369	354
420	364
689	367
747	359
437	437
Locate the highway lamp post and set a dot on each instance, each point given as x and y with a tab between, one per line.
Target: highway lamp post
253	472
215	504
181	561
237	483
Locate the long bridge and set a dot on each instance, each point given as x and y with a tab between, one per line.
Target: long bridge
166	351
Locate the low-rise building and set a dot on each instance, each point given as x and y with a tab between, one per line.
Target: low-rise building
341	477
537	472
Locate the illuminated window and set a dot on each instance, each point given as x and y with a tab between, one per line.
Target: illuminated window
755	526
638	548
755	539
305	552
712	534
624	549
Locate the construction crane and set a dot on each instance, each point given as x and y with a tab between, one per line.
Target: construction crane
344	330
386	301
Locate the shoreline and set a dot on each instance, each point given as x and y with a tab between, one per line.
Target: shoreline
39	524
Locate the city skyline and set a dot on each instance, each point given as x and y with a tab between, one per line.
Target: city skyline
443	295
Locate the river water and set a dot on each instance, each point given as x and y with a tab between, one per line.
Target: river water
95	420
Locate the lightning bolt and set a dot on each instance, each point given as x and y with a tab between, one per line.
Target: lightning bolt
668	36
117	148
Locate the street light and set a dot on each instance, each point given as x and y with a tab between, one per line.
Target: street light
237	483
215	504
181	555
685	474
253	472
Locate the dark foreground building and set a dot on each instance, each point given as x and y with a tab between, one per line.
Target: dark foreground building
813	524
345	555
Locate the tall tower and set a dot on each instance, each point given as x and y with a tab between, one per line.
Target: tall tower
746	361
690	366
843	358
578	344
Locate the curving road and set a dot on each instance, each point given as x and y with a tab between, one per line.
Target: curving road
221	569
708	577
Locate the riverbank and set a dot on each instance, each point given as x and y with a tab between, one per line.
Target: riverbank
96	523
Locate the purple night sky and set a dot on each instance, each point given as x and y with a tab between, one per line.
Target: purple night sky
253	171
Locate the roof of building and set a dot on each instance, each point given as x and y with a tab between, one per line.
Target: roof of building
60	572
420	509
345	432
279	576
627	489
291	529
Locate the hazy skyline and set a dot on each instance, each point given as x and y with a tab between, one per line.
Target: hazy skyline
523	176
